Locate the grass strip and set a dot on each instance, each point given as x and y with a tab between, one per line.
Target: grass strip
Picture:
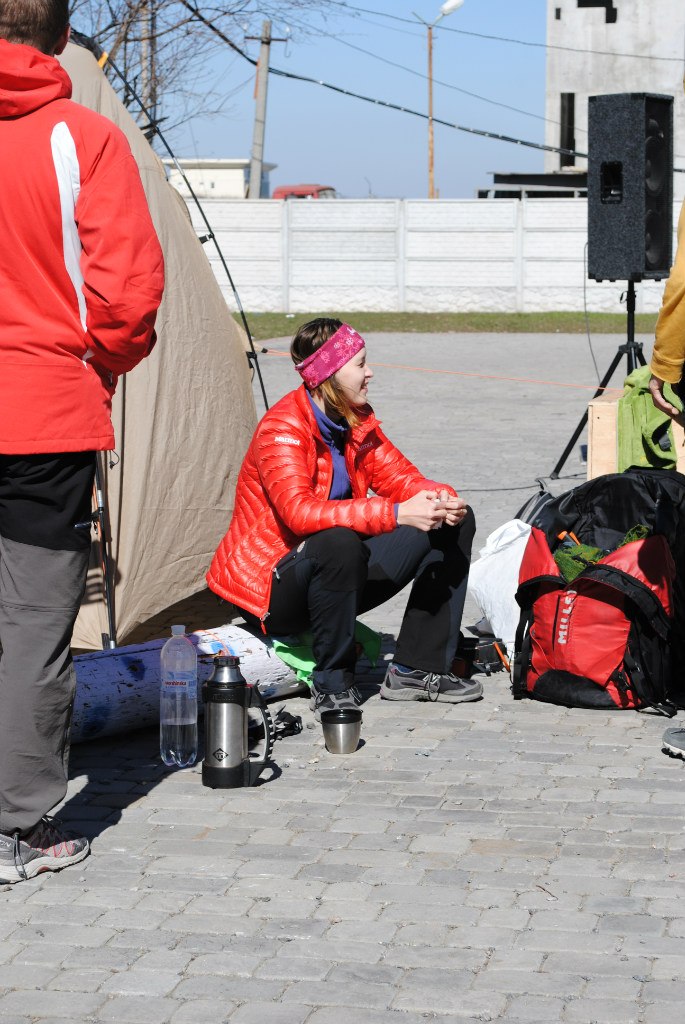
277	325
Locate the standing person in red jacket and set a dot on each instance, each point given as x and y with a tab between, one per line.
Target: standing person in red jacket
308	549
81	277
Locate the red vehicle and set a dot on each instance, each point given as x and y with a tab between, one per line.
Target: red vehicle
304	192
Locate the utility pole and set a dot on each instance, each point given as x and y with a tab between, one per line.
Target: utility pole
148	57
447	8
431	143
257	155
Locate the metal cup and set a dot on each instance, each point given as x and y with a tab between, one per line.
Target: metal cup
341	729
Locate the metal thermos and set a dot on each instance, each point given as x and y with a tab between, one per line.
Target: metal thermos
227	763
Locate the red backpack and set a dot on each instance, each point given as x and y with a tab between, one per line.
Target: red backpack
602	641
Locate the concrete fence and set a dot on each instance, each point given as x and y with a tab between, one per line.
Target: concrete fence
411	255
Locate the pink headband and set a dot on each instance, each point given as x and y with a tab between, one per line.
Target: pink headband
330	356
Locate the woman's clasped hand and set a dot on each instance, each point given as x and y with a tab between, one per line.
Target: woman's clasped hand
429	510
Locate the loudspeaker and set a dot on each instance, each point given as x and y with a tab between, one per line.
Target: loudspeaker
630	186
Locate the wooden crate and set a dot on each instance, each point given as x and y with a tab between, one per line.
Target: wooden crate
602	442
602	435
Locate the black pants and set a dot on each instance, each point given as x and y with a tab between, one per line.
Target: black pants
335	575
43	565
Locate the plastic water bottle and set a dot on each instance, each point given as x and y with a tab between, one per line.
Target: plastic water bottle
178	701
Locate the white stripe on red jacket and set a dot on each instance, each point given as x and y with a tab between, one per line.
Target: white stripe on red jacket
81	269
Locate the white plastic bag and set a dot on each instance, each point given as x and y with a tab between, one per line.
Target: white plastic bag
494	578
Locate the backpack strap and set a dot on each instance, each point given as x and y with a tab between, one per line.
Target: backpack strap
526	596
649	605
522	655
641	596
637	678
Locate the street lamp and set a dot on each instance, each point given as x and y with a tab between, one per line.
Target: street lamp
447	8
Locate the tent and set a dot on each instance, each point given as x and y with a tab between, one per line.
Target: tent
183	418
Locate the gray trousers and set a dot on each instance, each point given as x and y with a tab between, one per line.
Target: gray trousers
41	588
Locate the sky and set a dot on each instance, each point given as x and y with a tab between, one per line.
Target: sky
315	135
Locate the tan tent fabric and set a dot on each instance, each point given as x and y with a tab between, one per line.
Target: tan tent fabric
183	418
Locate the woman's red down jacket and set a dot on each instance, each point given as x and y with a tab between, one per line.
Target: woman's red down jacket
282	496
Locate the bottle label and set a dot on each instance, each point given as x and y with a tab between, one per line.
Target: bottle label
179	682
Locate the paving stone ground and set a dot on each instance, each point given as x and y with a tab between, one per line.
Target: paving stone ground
496	861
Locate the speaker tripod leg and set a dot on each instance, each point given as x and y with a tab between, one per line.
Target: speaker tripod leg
639	355
583	420
632	348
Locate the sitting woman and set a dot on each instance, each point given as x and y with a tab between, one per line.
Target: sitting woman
307	548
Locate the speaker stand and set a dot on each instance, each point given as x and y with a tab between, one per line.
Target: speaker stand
632	350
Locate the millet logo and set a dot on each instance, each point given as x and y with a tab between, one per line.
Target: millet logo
567	603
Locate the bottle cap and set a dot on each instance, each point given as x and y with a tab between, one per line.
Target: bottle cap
178	630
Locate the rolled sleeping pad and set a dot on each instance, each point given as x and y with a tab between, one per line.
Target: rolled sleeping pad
118	690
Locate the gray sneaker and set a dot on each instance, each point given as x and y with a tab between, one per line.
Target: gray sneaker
673	742
44	848
413	684
321	701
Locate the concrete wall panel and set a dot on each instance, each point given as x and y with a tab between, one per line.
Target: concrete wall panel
333	273
460	300
364	297
459	274
460	255
460	214
460	245
239	246
239	214
342	214
354	245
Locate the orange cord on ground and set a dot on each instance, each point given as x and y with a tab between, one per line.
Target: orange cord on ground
480	376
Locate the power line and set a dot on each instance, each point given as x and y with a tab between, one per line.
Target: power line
436	120
386	103
370	99
446	85
507	39
554	46
417	113
416	34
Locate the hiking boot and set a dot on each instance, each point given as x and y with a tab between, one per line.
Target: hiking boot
44	848
412	684
320	701
673	742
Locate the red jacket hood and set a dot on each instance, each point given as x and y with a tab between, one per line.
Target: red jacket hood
29	79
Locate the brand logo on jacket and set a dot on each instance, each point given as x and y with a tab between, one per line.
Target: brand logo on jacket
283	439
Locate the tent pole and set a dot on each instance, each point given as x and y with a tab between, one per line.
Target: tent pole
103	58
109	640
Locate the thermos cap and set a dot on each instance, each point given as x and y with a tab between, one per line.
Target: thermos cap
226	684
227	660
